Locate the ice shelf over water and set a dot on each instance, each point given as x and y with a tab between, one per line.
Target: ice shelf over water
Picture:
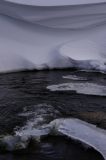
82	131
78	130
81	88
52	34
75	78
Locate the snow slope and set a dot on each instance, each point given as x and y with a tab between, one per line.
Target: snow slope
55	34
55	2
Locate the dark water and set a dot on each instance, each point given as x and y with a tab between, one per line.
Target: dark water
28	89
54	148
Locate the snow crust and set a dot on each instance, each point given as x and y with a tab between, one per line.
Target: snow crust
62	36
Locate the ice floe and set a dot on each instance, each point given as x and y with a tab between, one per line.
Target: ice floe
81	88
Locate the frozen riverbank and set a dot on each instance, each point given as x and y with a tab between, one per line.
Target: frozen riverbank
62	36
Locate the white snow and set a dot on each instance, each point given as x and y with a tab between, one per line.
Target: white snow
39	37
55	2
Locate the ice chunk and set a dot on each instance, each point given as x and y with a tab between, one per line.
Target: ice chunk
81	88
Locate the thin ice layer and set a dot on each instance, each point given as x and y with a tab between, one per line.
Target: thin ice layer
81	88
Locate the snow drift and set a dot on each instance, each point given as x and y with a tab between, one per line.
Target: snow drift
52	34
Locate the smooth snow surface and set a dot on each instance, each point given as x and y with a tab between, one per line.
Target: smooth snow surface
55	34
80	87
55	2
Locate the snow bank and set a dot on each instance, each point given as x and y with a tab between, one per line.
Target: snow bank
55	2
62	36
